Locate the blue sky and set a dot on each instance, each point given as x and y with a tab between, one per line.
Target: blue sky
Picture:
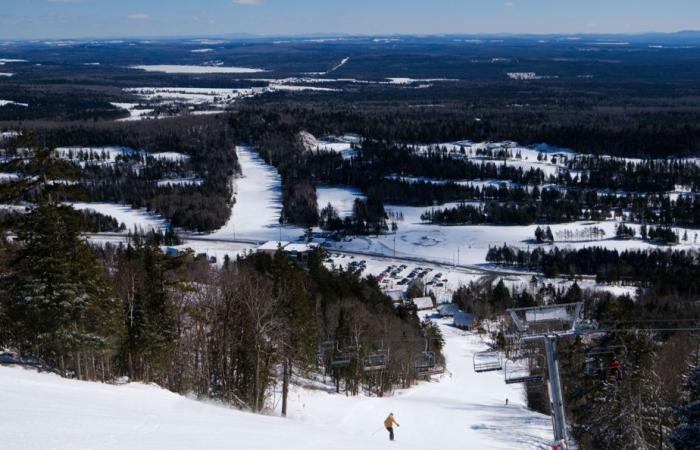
34	19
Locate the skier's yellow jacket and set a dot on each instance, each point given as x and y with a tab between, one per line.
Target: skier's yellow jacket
389	421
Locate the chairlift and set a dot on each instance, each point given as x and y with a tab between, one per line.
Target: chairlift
526	369
326	347
487	361
425	365
605	361
342	357
375	361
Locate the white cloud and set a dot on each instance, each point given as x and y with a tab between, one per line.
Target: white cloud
138	16
509	3
248	2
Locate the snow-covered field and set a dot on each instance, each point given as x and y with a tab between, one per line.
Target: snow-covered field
135	113
346	145
214	99
139	219
109	155
462	410
551	160
174	68
468	244
341	197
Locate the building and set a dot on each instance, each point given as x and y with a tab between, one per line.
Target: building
423	303
464	321
271	247
300	252
396	295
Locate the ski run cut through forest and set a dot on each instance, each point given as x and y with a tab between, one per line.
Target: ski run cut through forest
459	409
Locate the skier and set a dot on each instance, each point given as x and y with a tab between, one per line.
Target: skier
389	424
615	368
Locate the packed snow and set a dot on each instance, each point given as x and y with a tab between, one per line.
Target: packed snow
461	408
257	201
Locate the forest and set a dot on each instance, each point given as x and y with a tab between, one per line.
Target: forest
231	333
208	146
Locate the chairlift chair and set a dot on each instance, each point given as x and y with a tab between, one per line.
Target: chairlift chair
375	362
342	357
424	360
325	348
604	361
487	361
527	369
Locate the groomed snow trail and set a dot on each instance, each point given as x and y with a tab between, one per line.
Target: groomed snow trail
463	410
258	201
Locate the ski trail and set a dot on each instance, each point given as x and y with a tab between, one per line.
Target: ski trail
339	65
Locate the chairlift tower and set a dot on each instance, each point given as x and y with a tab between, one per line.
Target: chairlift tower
548	324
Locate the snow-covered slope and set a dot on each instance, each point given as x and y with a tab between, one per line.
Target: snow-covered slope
463	410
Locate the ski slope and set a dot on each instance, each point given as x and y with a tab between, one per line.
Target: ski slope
462	410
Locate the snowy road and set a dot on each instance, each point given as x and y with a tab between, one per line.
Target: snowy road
463	410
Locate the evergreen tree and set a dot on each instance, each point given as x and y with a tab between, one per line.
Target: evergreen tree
57	302
686	436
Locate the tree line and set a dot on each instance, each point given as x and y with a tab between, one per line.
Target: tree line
232	332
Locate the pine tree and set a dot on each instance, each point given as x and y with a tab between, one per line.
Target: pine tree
58	304
686	436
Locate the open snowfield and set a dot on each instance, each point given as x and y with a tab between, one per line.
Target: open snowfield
109	155
341	197
517	156
135	113
132	218
345	145
441	243
462	410
174	68
214	99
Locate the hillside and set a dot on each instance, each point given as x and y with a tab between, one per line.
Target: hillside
462	409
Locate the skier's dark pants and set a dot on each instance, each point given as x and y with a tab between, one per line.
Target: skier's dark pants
391	433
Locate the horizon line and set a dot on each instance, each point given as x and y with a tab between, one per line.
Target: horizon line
256	36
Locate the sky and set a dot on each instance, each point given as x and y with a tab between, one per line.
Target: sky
46	19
